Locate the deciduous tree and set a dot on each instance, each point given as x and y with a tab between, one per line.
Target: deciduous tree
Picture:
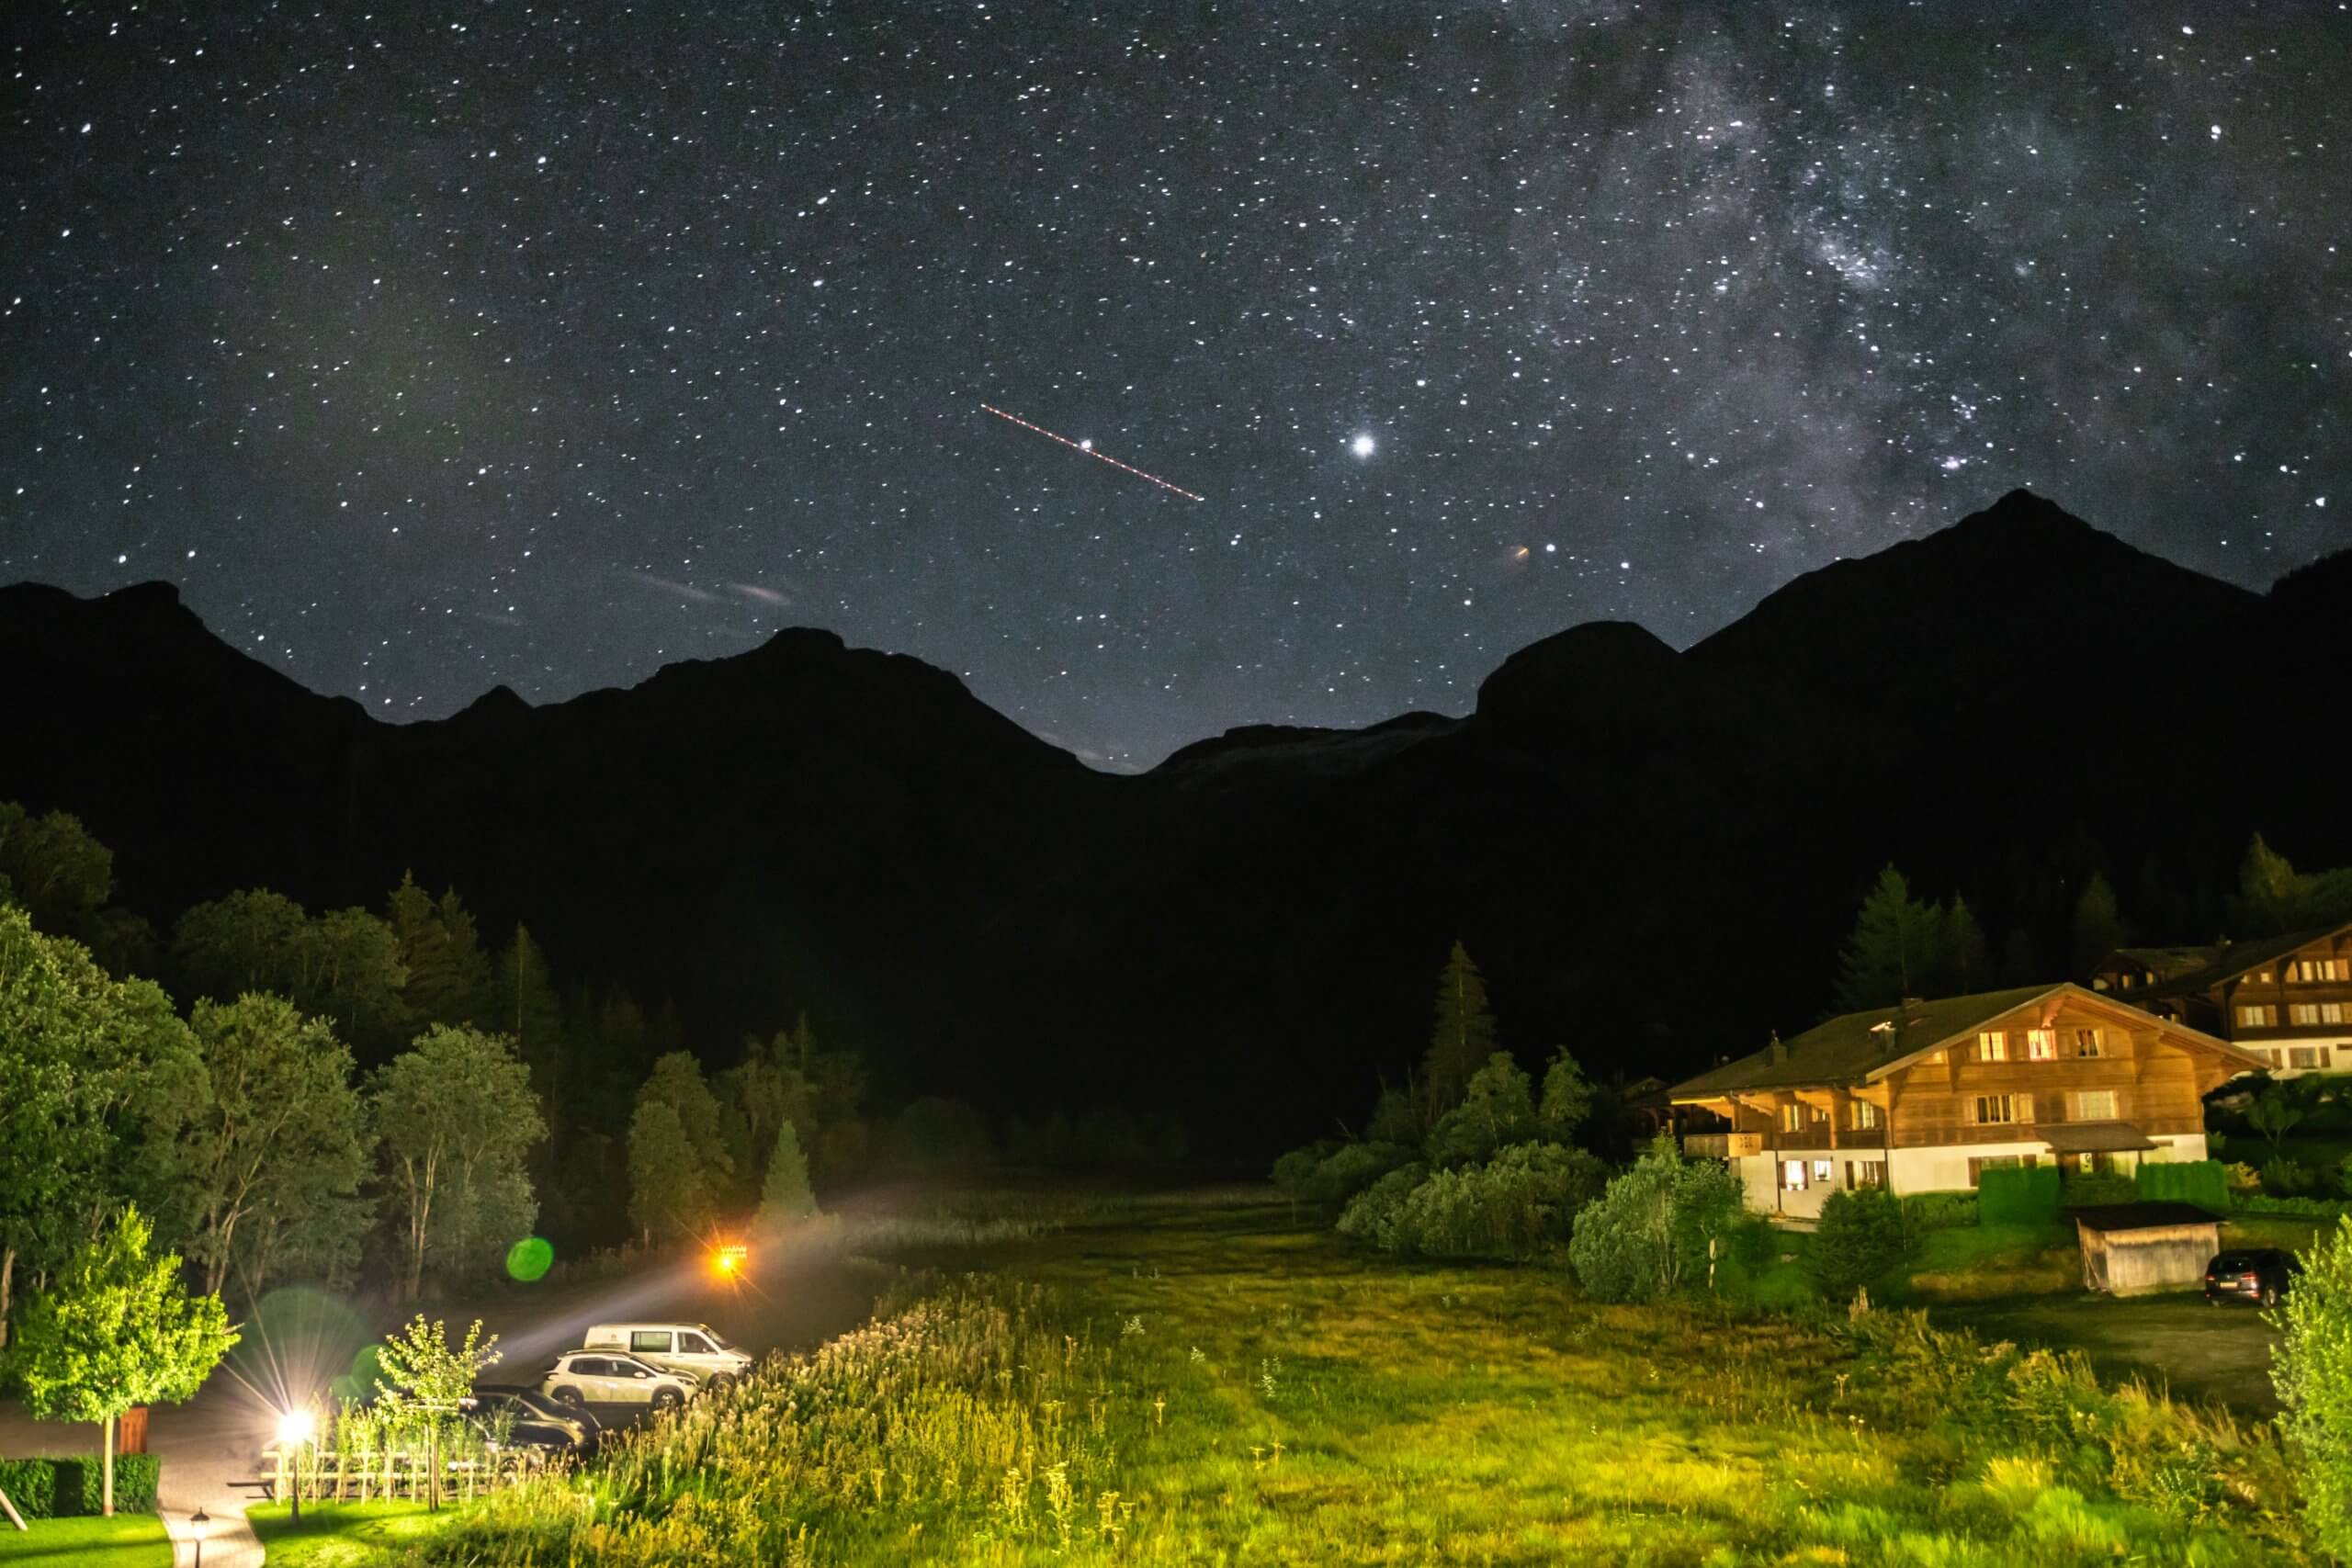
1567	1098
1498	1108
117	1330
666	1199
2311	1369
250	941
456	1116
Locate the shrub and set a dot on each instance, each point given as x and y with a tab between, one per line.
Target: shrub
2202	1183
2017	1195
1371	1214
2312	1372
2240	1176
1938	1212
1860	1237
2284	1177
31	1484
1648	1234
1350	1168
2306	1208
81	1483
1514	1206
1296	1168
1498	1110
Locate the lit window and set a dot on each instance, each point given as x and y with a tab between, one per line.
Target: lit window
1872	1173
1823	1172
2258	1015
2316	1012
2307	1057
1992	1045
1792	1118
1792	1174
1865	1114
1994	1108
2040	1045
2087	1043
2310	970
2095	1105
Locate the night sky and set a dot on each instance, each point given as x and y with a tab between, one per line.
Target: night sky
433	348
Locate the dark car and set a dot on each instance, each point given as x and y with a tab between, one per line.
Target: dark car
531	1420
2255	1275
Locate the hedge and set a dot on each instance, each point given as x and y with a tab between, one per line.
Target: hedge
2308	1207
2201	1183
52	1488
2017	1195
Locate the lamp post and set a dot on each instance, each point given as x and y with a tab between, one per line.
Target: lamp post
294	1429
196	1522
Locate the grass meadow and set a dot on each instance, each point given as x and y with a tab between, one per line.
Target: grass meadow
127	1540
1229	1385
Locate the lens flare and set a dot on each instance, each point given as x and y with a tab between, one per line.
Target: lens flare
529	1259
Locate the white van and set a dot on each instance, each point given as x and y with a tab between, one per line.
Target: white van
675	1346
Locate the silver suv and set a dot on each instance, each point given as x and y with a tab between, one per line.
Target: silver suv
599	1377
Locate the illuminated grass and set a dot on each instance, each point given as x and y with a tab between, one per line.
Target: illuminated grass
343	1535
127	1540
1223	1387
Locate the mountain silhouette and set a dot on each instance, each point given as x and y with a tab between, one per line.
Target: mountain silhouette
1653	854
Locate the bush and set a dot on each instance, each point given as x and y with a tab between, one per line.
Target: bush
2284	1177
2241	1177
2202	1183
1938	1212
1371	1214
2306	1208
1514	1206
1859	1239
31	1484
2017	1195
1350	1168
1498	1110
2312	1371
1295	1169
1648	1235
49	1488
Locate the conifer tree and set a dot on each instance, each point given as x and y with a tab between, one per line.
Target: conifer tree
448	975
1890	955
2098	924
785	1197
665	1192
524	1003
1967	962
2267	885
1461	1036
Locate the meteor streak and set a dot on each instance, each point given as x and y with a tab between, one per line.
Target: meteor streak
1089	451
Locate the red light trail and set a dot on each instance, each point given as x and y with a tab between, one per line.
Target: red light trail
1081	447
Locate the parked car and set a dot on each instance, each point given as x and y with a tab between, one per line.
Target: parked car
2254	1274
675	1346
532	1420
593	1377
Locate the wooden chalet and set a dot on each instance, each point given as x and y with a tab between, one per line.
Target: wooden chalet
1924	1097
2287	1000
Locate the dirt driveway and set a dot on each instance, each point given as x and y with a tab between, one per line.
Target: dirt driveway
2176	1341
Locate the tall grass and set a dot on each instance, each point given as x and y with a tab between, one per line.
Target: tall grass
1218	1386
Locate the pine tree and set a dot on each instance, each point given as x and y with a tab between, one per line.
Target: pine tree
526	1006
448	975
1890	955
785	1197
2098	924
1967	962
1461	1037
665	1192
2268	889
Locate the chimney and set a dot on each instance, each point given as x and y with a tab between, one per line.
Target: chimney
1779	1050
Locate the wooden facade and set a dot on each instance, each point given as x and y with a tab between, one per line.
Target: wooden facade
2287	1000
1925	1097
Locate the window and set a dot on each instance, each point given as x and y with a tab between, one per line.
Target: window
2310	970
1792	1174
2316	1012
1993	1107
2260	977
1792	1118
2087	1043
2258	1015
1992	1045
694	1345
1978	1166
2040	1045
1865	1173
2307	1057
656	1340
1865	1114
2095	1105
1823	1172
2127	981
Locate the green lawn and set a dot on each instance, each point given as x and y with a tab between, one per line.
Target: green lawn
1230	1386
344	1535
127	1540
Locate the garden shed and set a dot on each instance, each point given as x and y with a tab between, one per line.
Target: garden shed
2131	1248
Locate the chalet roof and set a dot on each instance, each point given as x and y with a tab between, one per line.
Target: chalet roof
2140	1216
2168	962
2233	959
1859	1046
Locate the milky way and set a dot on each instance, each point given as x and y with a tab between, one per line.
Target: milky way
431	348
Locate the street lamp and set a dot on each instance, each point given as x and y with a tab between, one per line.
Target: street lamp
195	1524
294	1429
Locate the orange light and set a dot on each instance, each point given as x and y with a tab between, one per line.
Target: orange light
729	1259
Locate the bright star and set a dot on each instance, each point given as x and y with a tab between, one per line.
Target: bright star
1363	445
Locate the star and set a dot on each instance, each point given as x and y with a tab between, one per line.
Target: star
1363	445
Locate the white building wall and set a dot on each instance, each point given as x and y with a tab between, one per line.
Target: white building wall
2334	1055
1944	1167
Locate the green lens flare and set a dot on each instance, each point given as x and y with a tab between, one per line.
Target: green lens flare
529	1258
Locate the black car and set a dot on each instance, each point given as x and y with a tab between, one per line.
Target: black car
532	1420
2257	1275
